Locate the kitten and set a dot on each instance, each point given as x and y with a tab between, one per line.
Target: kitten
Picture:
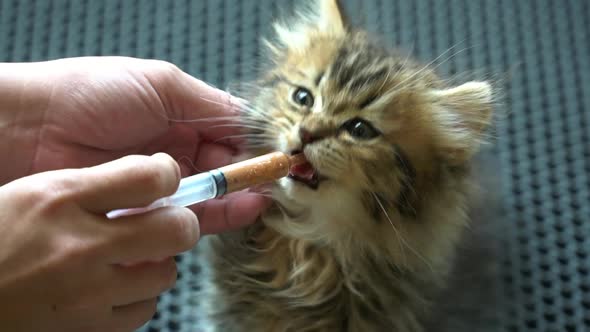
363	237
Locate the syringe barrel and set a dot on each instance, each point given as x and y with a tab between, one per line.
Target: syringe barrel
195	189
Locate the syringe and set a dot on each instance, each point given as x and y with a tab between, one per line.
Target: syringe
201	187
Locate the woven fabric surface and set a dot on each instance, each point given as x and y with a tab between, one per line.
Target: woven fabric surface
540	50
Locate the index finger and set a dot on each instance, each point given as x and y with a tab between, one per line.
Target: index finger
132	181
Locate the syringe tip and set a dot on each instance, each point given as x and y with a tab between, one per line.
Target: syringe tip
297	159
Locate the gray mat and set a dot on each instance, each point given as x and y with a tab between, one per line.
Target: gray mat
541	49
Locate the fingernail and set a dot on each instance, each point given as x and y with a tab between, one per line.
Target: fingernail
196	228
159	155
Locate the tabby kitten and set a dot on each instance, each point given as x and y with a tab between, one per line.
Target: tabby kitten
363	236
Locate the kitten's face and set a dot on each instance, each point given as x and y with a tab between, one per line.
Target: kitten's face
356	112
375	128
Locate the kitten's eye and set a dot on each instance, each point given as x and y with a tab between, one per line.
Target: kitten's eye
359	128
303	97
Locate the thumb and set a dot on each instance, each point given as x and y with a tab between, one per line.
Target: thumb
132	181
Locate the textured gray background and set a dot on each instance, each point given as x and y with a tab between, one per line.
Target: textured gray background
540	49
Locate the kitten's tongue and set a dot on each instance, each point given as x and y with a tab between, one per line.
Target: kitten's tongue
303	171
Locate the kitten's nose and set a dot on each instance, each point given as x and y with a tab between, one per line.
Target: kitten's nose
306	136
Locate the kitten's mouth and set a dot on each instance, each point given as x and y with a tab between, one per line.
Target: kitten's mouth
306	174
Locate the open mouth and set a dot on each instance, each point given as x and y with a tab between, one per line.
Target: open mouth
306	174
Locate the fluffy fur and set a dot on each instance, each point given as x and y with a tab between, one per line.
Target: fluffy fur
372	245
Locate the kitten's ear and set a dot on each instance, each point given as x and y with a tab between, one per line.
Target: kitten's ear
464	113
330	18
314	18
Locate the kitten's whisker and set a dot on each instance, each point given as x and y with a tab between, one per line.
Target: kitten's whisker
252	143
218	102
405	61
238	125
395	230
262	190
262	140
248	136
264	195
384	81
267	191
257	140
190	163
252	135
255	121
259	146
282	127
253	109
209	119
449	58
256	143
427	66
286	122
264	120
265	123
404	196
334	164
410	88
290	117
400	237
255	112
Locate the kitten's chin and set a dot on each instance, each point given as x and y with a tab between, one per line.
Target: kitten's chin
312	182
304	190
326	215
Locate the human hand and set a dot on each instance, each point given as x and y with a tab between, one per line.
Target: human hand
66	267
81	112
